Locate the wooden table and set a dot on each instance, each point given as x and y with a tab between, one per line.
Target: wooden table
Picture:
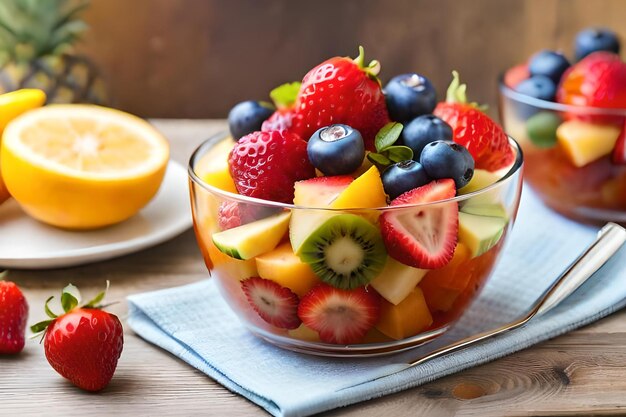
581	373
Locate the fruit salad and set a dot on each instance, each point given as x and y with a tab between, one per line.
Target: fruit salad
568	115
348	218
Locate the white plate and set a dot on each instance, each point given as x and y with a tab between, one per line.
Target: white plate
28	244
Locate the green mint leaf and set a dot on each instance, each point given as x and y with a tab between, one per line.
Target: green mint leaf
387	135
284	96
378	159
70	297
399	153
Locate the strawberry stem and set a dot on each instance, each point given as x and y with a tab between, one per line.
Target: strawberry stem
457	93
372	69
3	273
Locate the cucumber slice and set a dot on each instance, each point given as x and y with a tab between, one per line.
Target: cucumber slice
252	239
480	233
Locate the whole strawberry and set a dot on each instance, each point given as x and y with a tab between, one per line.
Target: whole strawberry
341	90
13	316
83	344
266	165
599	80
472	128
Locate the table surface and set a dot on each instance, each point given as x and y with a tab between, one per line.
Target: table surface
580	373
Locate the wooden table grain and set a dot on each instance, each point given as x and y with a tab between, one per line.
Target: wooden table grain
581	373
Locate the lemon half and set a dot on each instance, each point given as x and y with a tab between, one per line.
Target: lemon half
82	166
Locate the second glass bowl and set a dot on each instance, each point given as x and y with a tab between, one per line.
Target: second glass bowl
411	306
568	155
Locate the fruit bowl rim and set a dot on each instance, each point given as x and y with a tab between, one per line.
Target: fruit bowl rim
510	93
202	149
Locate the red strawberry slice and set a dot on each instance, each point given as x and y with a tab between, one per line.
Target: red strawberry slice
13	316
275	304
320	191
340	316
232	214
423	237
619	152
266	165
279	120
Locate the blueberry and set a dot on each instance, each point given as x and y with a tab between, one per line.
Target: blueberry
447	159
402	177
538	86
336	149
549	63
595	39
247	117
422	130
409	96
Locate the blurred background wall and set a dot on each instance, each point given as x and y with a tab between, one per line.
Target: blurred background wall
196	58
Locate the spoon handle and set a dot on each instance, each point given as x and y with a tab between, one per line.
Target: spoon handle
610	238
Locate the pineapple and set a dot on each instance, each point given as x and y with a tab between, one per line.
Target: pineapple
36	51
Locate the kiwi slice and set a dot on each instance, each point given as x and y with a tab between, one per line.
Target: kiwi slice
346	251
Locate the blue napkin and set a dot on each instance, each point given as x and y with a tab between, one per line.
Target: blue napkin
193	323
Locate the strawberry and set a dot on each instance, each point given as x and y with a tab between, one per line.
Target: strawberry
598	80
279	120
423	237
340	316
473	129
342	90
83	344
516	75
228	215
619	151
275	304
266	165
13	316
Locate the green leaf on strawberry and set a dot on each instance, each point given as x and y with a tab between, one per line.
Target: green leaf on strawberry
457	93
284	96
70	297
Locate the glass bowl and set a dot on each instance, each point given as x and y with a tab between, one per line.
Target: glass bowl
424	303
568	155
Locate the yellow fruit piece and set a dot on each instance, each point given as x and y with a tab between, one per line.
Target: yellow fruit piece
213	167
585	142
406	319
304	333
397	280
365	191
12	105
82	166
285	268
228	268
481	179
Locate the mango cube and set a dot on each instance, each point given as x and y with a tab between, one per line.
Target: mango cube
285	268
406	319
585	142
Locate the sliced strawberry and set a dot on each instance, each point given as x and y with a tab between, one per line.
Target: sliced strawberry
340	316
619	151
279	120
275	304
423	237
320	191
516	75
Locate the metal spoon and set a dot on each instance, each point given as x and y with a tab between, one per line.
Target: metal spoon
610	238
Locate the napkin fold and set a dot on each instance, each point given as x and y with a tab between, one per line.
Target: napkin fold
194	323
